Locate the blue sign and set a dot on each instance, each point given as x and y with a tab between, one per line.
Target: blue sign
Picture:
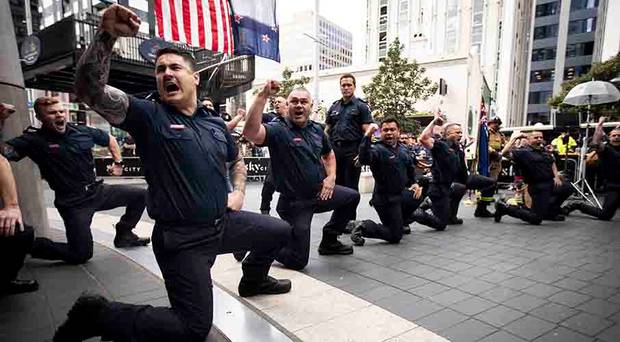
148	48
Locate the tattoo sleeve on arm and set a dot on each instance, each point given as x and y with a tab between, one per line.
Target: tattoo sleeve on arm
238	174
91	80
9	152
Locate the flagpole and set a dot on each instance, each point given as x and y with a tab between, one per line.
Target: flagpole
316	54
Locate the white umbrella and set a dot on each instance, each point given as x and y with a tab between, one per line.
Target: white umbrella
592	93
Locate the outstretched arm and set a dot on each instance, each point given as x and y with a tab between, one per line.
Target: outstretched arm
10	214
426	138
93	69
597	138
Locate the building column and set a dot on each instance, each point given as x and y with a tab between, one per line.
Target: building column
27	176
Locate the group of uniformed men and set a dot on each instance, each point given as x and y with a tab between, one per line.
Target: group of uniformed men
196	186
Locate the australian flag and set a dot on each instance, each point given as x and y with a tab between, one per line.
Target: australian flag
255	28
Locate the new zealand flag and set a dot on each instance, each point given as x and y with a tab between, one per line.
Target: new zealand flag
255	28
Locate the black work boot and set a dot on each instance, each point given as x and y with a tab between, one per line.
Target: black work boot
357	235
500	210
348	229
126	238
268	285
569	208
455	220
482	211
406	229
422	217
331	246
83	320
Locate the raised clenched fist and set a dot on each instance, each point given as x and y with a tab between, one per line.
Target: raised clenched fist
120	21
271	88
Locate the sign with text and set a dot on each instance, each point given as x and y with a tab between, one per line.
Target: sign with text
132	166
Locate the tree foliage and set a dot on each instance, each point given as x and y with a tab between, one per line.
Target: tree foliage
604	71
397	86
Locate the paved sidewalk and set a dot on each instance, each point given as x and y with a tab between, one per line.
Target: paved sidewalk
35	316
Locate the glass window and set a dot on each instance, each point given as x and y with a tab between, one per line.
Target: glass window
539	97
550	8
583	4
575	71
543	54
582	26
579	49
547	75
533	118
548	31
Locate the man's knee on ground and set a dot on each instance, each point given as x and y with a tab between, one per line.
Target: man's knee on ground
80	257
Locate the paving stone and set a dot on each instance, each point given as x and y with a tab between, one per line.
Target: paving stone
546	277
502	336
441	320
586	323
456	266
468	331
499	316
450	297
563	335
569	298
408	307
611	334
615	299
529	327
554	312
600	291
473	306
378	293
584	275
477	286
476	271
428	290
525	302
599	307
500	294
496	277
455	280
570	284
542	290
517	283
438	274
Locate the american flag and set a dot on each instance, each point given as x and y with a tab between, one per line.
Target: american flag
203	23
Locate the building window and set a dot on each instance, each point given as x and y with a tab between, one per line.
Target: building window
538	76
575	71
533	118
543	54
579	49
550	8
583	4
582	26
548	31
539	97
452	24
476	24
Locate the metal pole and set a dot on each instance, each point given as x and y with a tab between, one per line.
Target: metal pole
27	176
316	54
28	17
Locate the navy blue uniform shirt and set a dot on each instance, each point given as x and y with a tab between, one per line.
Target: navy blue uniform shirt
446	161
610	162
392	167
346	119
184	160
296	153
65	160
535	164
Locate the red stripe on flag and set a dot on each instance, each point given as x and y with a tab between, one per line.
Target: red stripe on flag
173	20
201	24
224	14
229	34
214	34
187	22
159	15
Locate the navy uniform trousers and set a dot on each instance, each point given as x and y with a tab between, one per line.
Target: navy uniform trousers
299	213
13	250
546	202
393	215
610	205
185	255
77	216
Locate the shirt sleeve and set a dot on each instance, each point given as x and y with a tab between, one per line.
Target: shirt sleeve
100	137
326	145
439	148
16	149
328	118
365	115
272	131
231	146
138	114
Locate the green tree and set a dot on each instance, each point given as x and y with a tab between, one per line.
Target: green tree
287	84
396	88
604	71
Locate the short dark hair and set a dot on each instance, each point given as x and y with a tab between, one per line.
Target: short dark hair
448	126
43	101
389	120
347	75
187	56
206	98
